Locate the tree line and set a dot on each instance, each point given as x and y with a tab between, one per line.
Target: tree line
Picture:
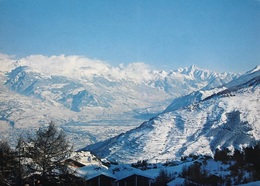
38	159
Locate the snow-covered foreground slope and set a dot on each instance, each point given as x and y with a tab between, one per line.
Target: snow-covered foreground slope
199	123
89	99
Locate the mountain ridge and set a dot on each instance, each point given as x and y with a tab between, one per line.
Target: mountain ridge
78	94
199	125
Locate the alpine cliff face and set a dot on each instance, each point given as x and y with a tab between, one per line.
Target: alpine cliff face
198	123
81	95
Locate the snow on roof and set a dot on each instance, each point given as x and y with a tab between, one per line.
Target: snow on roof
135	173
128	171
120	172
92	171
85	158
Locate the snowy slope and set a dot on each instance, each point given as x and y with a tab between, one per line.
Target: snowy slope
224	117
81	94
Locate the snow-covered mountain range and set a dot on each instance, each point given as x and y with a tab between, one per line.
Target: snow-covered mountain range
89	99
198	123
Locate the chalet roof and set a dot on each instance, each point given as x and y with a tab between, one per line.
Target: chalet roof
107	174
125	174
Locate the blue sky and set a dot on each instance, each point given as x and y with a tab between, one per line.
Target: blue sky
220	35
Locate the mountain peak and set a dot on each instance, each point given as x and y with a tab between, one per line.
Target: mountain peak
191	69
